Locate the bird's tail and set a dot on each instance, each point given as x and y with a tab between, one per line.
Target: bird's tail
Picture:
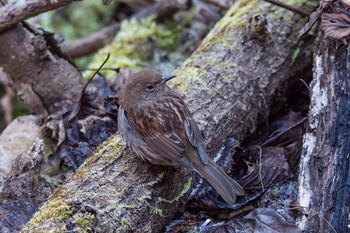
223	184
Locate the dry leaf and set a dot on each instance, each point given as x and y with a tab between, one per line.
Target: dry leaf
335	26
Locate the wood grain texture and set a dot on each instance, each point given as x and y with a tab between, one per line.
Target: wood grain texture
324	168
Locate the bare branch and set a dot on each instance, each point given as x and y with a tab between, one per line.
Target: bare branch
94	41
16	11
288	7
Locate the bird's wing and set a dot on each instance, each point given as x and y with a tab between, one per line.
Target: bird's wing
195	137
169	145
191	131
150	144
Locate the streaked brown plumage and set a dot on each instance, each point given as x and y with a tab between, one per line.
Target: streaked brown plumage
159	128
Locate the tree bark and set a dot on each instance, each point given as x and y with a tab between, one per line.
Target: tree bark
43	81
230	84
324	178
16	10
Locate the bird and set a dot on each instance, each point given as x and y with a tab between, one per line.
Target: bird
158	126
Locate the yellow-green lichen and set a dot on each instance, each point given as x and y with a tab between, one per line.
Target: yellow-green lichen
115	204
109	149
125	224
295	54
158	211
184	190
57	209
81	172
111	142
157	180
83	222
232	17
184	75
144	199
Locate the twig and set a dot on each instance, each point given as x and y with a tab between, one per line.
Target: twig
94	41
288	7
93	76
222	4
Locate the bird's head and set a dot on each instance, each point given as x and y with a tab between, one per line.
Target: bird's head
145	86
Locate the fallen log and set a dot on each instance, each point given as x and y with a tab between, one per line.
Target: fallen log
230	83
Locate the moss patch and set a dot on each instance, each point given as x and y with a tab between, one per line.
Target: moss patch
135	44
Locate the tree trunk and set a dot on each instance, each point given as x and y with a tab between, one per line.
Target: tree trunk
230	83
324	178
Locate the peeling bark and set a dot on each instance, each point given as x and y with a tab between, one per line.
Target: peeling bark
324	169
324	164
47	84
230	84
324	190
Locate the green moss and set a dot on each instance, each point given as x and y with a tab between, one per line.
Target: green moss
83	222
144	198
81	172
19	108
184	190
107	150
111	147
125	224
275	191
157	180
135	44
52	209
158	212
184	75
232	17
295	54
115	203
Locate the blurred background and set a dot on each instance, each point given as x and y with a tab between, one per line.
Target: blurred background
139	34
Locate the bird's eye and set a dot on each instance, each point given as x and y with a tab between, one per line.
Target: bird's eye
150	87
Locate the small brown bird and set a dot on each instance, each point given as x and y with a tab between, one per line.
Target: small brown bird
159	128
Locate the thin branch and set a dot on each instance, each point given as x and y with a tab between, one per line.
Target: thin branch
94	41
222	4
288	7
16	10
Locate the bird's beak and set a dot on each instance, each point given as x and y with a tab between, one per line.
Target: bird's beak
168	77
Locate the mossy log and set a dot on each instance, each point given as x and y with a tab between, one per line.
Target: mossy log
230	84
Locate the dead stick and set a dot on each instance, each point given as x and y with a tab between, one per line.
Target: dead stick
288	7
16	11
91	43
